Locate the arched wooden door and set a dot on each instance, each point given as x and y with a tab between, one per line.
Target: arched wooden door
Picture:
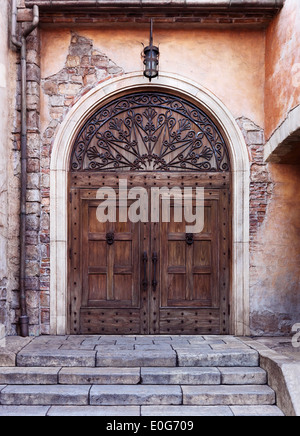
149	275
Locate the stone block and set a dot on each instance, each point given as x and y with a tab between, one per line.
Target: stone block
256	411
180	376
45	395
94	411
23	410
56	358
179	411
243	376
137	358
99	376
228	395
218	358
113	395
29	376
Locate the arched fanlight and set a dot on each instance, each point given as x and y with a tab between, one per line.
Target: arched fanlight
151	56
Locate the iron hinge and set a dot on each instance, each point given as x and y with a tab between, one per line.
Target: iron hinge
229	309
70	253
70	197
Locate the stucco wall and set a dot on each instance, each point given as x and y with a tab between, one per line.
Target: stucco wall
282	92
275	257
230	63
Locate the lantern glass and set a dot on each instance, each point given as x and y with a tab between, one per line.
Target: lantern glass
151	55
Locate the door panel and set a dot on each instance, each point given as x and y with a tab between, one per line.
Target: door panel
149	278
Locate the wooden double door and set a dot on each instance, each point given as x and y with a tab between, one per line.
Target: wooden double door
145	276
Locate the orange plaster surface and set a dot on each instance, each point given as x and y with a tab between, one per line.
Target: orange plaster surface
282	66
275	257
230	63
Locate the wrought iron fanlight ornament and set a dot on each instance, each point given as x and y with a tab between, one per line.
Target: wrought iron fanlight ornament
151	56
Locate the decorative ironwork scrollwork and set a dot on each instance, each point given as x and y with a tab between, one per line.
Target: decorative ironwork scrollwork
150	131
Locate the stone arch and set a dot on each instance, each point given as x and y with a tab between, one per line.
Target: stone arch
60	162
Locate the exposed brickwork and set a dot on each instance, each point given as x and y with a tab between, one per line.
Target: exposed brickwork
261	185
84	68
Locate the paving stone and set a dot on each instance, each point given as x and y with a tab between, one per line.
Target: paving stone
45	395
106	342
136	358
256	411
24	410
180	376
218	358
243	376
160	339
229	346
156	347
29	376
57	358
113	348
125	341
192	348
180	341
95	411
228	395
99	376
180	411
135	395
143	341
77	347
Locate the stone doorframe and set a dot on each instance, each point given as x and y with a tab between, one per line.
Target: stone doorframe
60	159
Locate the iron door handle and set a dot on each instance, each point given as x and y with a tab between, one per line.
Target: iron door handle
145	262
154	260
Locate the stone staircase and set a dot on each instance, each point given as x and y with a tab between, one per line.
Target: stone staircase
136	376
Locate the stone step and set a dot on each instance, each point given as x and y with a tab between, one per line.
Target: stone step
99	376
28	376
41	395
132	376
214	358
180	411
177	411
136	358
180	376
113	395
56	358
204	376
243	376
228	395
165	356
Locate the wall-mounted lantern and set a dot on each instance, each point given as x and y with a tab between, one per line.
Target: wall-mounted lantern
151	56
